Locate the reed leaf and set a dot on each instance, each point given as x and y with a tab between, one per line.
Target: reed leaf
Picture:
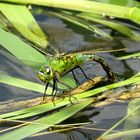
87	6
45	122
82	23
20	83
25	23
108	87
114	25
21	50
134	55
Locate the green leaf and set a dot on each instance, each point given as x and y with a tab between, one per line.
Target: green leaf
21	50
22	20
129	56
88	6
20	83
96	91
114	25
45	122
59	103
29	85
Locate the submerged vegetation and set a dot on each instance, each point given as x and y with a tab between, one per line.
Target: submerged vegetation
21	36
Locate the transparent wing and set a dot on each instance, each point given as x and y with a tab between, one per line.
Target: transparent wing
63	40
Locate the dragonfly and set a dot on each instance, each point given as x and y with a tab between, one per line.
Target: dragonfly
60	66
63	63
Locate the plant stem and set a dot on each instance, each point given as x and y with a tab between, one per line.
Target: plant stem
87	6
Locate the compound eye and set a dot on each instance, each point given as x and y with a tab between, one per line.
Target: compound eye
48	70
41	72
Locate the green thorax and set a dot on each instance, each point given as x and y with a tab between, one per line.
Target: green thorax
65	63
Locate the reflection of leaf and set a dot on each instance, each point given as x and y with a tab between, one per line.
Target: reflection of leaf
23	21
133	131
131	121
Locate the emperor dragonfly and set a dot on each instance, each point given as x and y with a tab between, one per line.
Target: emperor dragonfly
59	66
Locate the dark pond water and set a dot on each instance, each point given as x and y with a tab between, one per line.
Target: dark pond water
71	38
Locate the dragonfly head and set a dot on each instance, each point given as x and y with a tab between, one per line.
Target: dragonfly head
45	74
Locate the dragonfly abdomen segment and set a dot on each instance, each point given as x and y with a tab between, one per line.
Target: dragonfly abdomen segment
102	62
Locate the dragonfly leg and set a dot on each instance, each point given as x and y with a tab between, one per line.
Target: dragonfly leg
70	98
76	80
54	90
85	74
45	90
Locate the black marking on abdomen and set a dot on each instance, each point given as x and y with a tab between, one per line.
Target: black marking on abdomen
105	66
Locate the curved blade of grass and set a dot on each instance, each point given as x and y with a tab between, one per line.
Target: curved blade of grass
22	20
88	6
21	50
45	122
116	26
